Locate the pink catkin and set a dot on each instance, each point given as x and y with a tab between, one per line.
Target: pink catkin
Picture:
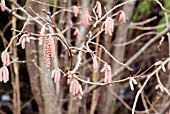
80	93
49	51
75	10
20	39
122	16
72	86
76	32
5	58
75	88
81	90
23	43
86	19
168	66
95	64
23	39
42	30
108	74
40	40
3	6
53	73
47	54
98	9
159	87
106	26
69	81
4	74
57	76
109	26
70	23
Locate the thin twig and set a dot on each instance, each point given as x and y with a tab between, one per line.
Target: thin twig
135	39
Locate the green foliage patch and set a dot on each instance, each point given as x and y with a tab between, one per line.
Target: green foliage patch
142	9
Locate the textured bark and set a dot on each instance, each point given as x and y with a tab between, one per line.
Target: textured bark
34	75
16	83
42	85
118	53
31	52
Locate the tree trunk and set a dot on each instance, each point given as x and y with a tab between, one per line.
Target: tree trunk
42	86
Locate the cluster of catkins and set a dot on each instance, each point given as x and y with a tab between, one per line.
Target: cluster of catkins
75	87
4	73
5	57
106	69
86	18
